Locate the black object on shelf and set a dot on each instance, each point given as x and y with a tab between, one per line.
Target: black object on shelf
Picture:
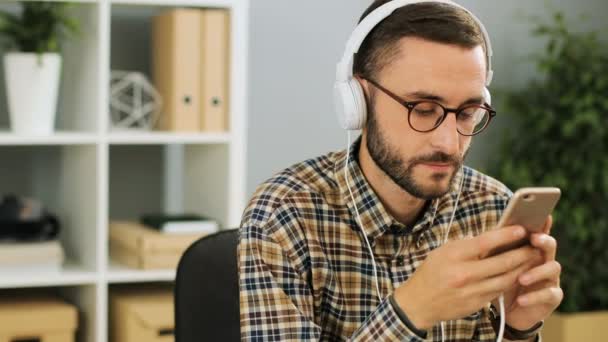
157	220
26	220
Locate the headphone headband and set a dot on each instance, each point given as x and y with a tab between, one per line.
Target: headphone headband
344	70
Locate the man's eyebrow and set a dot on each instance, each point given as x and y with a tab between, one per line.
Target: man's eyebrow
423	95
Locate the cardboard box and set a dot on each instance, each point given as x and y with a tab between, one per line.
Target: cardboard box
587	327
142	315
138	246
39	318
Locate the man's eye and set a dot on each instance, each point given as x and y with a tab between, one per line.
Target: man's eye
424	112
468	114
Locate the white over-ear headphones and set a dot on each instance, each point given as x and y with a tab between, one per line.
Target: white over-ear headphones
349	99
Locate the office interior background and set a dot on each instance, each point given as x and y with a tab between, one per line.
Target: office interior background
288	50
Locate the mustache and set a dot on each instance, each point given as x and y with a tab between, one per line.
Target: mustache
437	157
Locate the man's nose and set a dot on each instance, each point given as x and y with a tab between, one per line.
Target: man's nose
446	137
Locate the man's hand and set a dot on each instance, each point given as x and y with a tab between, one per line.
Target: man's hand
454	282
537	293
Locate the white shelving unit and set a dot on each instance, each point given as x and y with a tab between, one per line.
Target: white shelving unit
89	175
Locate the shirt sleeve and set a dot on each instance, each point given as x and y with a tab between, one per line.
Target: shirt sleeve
384	324
276	301
485	329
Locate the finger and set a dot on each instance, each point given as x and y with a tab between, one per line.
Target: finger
546	243
483	244
548	224
504	262
549	271
547	296
497	284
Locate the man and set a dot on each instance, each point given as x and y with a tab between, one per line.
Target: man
305	269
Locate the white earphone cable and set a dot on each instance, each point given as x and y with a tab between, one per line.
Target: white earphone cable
501	331
447	234
369	247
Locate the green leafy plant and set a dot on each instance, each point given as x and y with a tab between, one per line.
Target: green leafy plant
559	138
39	27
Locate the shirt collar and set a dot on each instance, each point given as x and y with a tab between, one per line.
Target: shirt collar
374	217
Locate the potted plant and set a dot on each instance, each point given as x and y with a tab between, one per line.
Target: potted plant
33	63
559	137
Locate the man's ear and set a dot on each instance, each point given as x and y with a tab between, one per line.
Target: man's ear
364	85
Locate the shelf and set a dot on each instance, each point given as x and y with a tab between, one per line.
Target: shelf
116	138
71	274
58	138
118	273
158	138
73	1
87	173
177	3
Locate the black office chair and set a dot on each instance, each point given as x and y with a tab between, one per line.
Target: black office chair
206	290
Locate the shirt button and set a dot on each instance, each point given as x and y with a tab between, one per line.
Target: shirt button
400	260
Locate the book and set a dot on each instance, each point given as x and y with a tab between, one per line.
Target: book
180	223
31	256
215	62
39	268
176	59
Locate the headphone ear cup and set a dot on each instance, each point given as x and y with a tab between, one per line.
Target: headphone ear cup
487	96
359	97
342	104
350	104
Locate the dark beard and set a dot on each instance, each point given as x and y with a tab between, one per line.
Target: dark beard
401	172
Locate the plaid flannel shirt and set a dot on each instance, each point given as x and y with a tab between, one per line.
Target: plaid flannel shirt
305	273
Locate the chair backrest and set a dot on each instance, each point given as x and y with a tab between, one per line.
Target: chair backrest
206	290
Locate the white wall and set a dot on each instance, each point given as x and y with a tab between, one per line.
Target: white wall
294	46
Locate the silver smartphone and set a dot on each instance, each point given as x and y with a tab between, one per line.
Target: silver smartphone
529	207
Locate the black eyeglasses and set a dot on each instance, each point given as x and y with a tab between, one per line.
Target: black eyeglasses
425	116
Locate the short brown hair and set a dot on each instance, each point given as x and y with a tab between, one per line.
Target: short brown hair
437	22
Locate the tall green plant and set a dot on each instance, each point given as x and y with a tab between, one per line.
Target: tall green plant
560	138
39	27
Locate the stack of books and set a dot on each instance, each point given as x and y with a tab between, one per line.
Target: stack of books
157	241
29	257
191	60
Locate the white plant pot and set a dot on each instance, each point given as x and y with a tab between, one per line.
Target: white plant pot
32	86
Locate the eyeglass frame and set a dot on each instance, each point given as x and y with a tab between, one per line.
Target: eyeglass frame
409	105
